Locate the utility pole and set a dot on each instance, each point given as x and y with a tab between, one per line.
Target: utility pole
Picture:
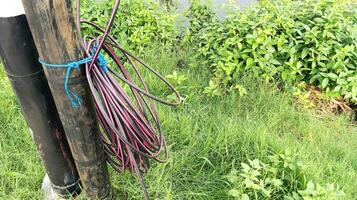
19	56
53	26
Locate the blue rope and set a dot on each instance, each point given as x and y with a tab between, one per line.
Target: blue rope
103	63
72	96
101	60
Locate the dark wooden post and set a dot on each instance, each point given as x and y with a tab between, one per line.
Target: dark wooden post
29	83
53	26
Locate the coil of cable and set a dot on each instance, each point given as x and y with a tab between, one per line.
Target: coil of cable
130	125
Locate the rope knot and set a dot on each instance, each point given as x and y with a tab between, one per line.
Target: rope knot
72	96
74	65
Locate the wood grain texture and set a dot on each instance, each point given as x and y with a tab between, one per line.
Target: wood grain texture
53	26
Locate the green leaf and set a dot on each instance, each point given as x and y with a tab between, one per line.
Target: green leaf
245	167
319	20
275	62
277	182
245	197
255	163
304	53
324	83
310	185
232	177
234	193
250	62
332	75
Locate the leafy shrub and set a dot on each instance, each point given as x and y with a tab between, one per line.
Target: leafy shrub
175	78
318	192
281	177
138	23
201	17
286	41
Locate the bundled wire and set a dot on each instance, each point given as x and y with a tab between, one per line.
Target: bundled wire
130	126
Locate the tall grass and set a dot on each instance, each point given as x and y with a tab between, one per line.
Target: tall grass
207	137
21	171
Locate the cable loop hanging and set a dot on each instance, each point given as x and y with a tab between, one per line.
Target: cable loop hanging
131	129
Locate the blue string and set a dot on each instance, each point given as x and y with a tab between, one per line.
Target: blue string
103	63
101	60
72	96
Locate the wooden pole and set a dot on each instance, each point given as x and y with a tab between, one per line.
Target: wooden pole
53	26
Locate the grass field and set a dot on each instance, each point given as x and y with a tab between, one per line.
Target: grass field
207	137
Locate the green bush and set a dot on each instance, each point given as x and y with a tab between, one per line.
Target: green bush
281	177
287	41
138	23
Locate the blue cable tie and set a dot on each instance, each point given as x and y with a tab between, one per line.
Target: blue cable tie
72	96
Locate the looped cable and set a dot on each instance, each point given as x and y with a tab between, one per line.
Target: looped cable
130	126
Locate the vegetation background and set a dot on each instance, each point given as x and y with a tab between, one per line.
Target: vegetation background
257	86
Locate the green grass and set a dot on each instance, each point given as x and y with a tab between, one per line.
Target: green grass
207	137
21	171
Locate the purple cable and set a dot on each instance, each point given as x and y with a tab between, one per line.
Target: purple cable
130	126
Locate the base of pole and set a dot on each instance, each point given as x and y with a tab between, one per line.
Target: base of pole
48	191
